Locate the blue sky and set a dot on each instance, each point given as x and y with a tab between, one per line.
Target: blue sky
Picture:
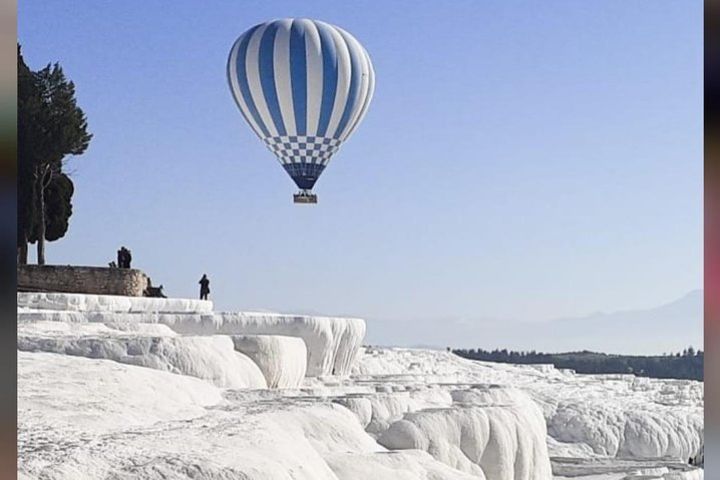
521	160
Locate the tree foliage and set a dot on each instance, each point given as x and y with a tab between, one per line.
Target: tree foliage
50	128
685	365
28	104
58	207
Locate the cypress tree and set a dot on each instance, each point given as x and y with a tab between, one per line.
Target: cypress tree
50	127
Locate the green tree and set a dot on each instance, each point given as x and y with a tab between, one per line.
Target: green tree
27	113
58	207
50	128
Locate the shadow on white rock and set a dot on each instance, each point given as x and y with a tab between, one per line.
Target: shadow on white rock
617	430
479	435
211	358
377	411
283	360
62	396
396	465
77	302
332	342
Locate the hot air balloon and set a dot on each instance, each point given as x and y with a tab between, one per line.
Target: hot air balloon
303	86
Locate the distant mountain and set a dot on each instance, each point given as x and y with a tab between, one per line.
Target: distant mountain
667	328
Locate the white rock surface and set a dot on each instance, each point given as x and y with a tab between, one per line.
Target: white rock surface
613	415
211	358
602	469
493	433
332	342
95	410
62	396
110	303
41	329
122	421
386	408
377	410
282	360
298	433
400	465
116	318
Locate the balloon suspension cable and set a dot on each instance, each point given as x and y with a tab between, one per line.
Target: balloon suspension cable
305	196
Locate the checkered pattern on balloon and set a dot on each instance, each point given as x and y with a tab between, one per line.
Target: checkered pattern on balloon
304	157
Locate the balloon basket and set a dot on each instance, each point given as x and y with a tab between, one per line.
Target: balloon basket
304	197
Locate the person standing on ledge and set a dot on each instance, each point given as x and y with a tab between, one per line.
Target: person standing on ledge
204	287
123	258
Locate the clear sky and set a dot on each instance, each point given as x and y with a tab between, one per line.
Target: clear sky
521	160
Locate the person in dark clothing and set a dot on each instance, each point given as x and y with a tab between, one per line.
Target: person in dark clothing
204	287
123	258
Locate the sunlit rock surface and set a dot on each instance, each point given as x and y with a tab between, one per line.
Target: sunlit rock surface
154	394
210	358
393	465
490	432
332	343
110	303
587	416
282	360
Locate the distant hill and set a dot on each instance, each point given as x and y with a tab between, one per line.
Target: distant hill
667	328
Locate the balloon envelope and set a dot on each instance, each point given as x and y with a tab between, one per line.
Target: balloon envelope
303	86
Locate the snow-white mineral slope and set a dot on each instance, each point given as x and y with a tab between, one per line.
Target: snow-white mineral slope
214	358
332	342
75	302
591	417
283	360
118	395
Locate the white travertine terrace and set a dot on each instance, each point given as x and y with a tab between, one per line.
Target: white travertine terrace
110	388
77	302
283	360
332	343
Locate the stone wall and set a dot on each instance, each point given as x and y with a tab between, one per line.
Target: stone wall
71	279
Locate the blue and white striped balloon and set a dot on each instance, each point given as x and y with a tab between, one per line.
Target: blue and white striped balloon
303	86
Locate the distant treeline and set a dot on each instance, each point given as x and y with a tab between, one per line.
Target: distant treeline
687	364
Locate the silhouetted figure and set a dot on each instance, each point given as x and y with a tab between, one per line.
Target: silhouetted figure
124	258
151	291
204	287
